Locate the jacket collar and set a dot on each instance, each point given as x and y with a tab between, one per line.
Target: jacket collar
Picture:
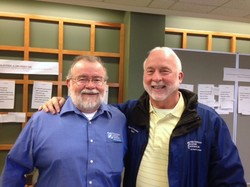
140	115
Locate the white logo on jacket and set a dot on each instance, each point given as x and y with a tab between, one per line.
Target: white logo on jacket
194	145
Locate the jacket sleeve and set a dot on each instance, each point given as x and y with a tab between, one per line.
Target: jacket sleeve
126	107
225	166
19	160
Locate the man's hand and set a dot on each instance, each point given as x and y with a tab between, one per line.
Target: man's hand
53	105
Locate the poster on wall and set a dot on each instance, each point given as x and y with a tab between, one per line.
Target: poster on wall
244	100
7	94
28	67
41	93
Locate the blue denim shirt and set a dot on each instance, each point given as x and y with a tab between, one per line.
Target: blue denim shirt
70	150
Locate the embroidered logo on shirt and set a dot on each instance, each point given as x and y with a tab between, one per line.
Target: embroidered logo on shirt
114	137
194	145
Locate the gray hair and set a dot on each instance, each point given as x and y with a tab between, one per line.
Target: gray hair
92	59
169	52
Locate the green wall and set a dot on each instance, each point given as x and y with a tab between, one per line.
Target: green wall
207	24
61	10
146	32
200	42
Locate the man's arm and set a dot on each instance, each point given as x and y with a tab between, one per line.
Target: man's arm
226	166
13	174
20	159
53	105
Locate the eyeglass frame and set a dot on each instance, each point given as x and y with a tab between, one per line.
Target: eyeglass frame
83	80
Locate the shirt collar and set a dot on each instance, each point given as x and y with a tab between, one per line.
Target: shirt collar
177	110
70	107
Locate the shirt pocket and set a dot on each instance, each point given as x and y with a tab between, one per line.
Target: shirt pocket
115	155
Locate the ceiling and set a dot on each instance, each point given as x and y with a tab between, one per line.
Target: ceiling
231	10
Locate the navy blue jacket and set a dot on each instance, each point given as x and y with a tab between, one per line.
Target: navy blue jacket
201	154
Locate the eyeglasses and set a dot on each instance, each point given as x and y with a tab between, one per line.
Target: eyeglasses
83	81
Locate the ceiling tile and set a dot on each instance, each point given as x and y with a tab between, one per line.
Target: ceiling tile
139	3
230	12
234	10
205	2
189	7
162	4
239	4
247	17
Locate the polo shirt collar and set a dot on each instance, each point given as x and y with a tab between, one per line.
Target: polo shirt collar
177	110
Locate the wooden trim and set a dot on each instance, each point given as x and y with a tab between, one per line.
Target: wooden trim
233	44
92	39
5	147
209	42
210	35
11	48
184	40
121	64
60	57
60	52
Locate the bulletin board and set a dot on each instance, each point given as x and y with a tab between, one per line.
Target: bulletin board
203	67
243	124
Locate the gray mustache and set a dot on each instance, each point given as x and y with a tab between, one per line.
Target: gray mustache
89	91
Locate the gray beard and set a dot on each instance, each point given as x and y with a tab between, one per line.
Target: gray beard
86	105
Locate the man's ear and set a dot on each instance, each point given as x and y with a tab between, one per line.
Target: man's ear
68	83
181	76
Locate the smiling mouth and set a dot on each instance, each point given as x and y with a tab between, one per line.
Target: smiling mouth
90	93
158	86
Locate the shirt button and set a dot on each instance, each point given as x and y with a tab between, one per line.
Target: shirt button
90	182
91	161
91	140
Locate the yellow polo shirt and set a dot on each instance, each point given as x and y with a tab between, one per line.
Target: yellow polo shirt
153	171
